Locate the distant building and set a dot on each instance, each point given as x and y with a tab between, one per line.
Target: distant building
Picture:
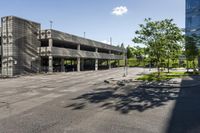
25	48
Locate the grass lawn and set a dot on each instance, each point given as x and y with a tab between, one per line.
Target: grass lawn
165	76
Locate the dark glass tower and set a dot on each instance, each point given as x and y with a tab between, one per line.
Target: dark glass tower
193	20
192	17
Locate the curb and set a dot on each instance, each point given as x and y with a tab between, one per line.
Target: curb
151	86
145	86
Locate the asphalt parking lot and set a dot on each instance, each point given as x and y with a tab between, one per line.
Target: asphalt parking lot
81	102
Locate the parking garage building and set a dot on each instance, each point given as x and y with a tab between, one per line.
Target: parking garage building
25	48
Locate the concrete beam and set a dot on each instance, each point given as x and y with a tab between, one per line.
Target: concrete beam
58	35
62	52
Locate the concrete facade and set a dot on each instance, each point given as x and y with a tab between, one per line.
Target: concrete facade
19	46
26	48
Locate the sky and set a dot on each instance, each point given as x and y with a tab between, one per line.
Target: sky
99	19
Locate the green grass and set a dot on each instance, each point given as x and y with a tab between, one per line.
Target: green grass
133	62
165	76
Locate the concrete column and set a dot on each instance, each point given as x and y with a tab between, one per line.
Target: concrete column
71	62
115	63
62	65
78	59
78	47
109	61
96	64
96	60
109	64
78	64
82	64
50	69
50	42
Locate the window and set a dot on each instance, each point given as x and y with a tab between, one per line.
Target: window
190	4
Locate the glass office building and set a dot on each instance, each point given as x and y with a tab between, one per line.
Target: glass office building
192	17
193	20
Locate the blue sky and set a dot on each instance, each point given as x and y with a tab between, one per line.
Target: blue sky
95	17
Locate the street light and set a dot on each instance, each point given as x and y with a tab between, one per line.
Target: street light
51	24
125	64
84	34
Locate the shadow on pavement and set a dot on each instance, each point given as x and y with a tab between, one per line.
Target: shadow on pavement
185	117
125	98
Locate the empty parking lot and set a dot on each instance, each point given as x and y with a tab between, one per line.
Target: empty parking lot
81	102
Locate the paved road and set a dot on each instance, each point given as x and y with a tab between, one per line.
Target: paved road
83	103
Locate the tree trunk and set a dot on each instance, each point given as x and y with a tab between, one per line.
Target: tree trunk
158	65
187	65
158	68
198	63
168	66
193	62
158	71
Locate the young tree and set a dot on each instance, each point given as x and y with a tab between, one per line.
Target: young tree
138	52
129	52
173	52
158	36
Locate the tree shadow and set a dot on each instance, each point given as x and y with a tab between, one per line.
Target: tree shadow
185	117
126	98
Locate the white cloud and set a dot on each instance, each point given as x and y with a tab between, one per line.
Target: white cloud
119	11
105	41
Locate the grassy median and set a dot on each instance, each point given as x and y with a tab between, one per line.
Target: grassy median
165	76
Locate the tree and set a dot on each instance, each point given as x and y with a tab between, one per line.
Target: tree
129	52
138	52
159	37
173	51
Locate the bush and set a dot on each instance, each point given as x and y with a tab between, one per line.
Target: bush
175	65
184	65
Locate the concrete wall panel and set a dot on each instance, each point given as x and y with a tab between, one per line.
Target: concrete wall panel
19	45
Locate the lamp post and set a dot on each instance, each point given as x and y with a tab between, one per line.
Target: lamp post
84	34
51	24
125	64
